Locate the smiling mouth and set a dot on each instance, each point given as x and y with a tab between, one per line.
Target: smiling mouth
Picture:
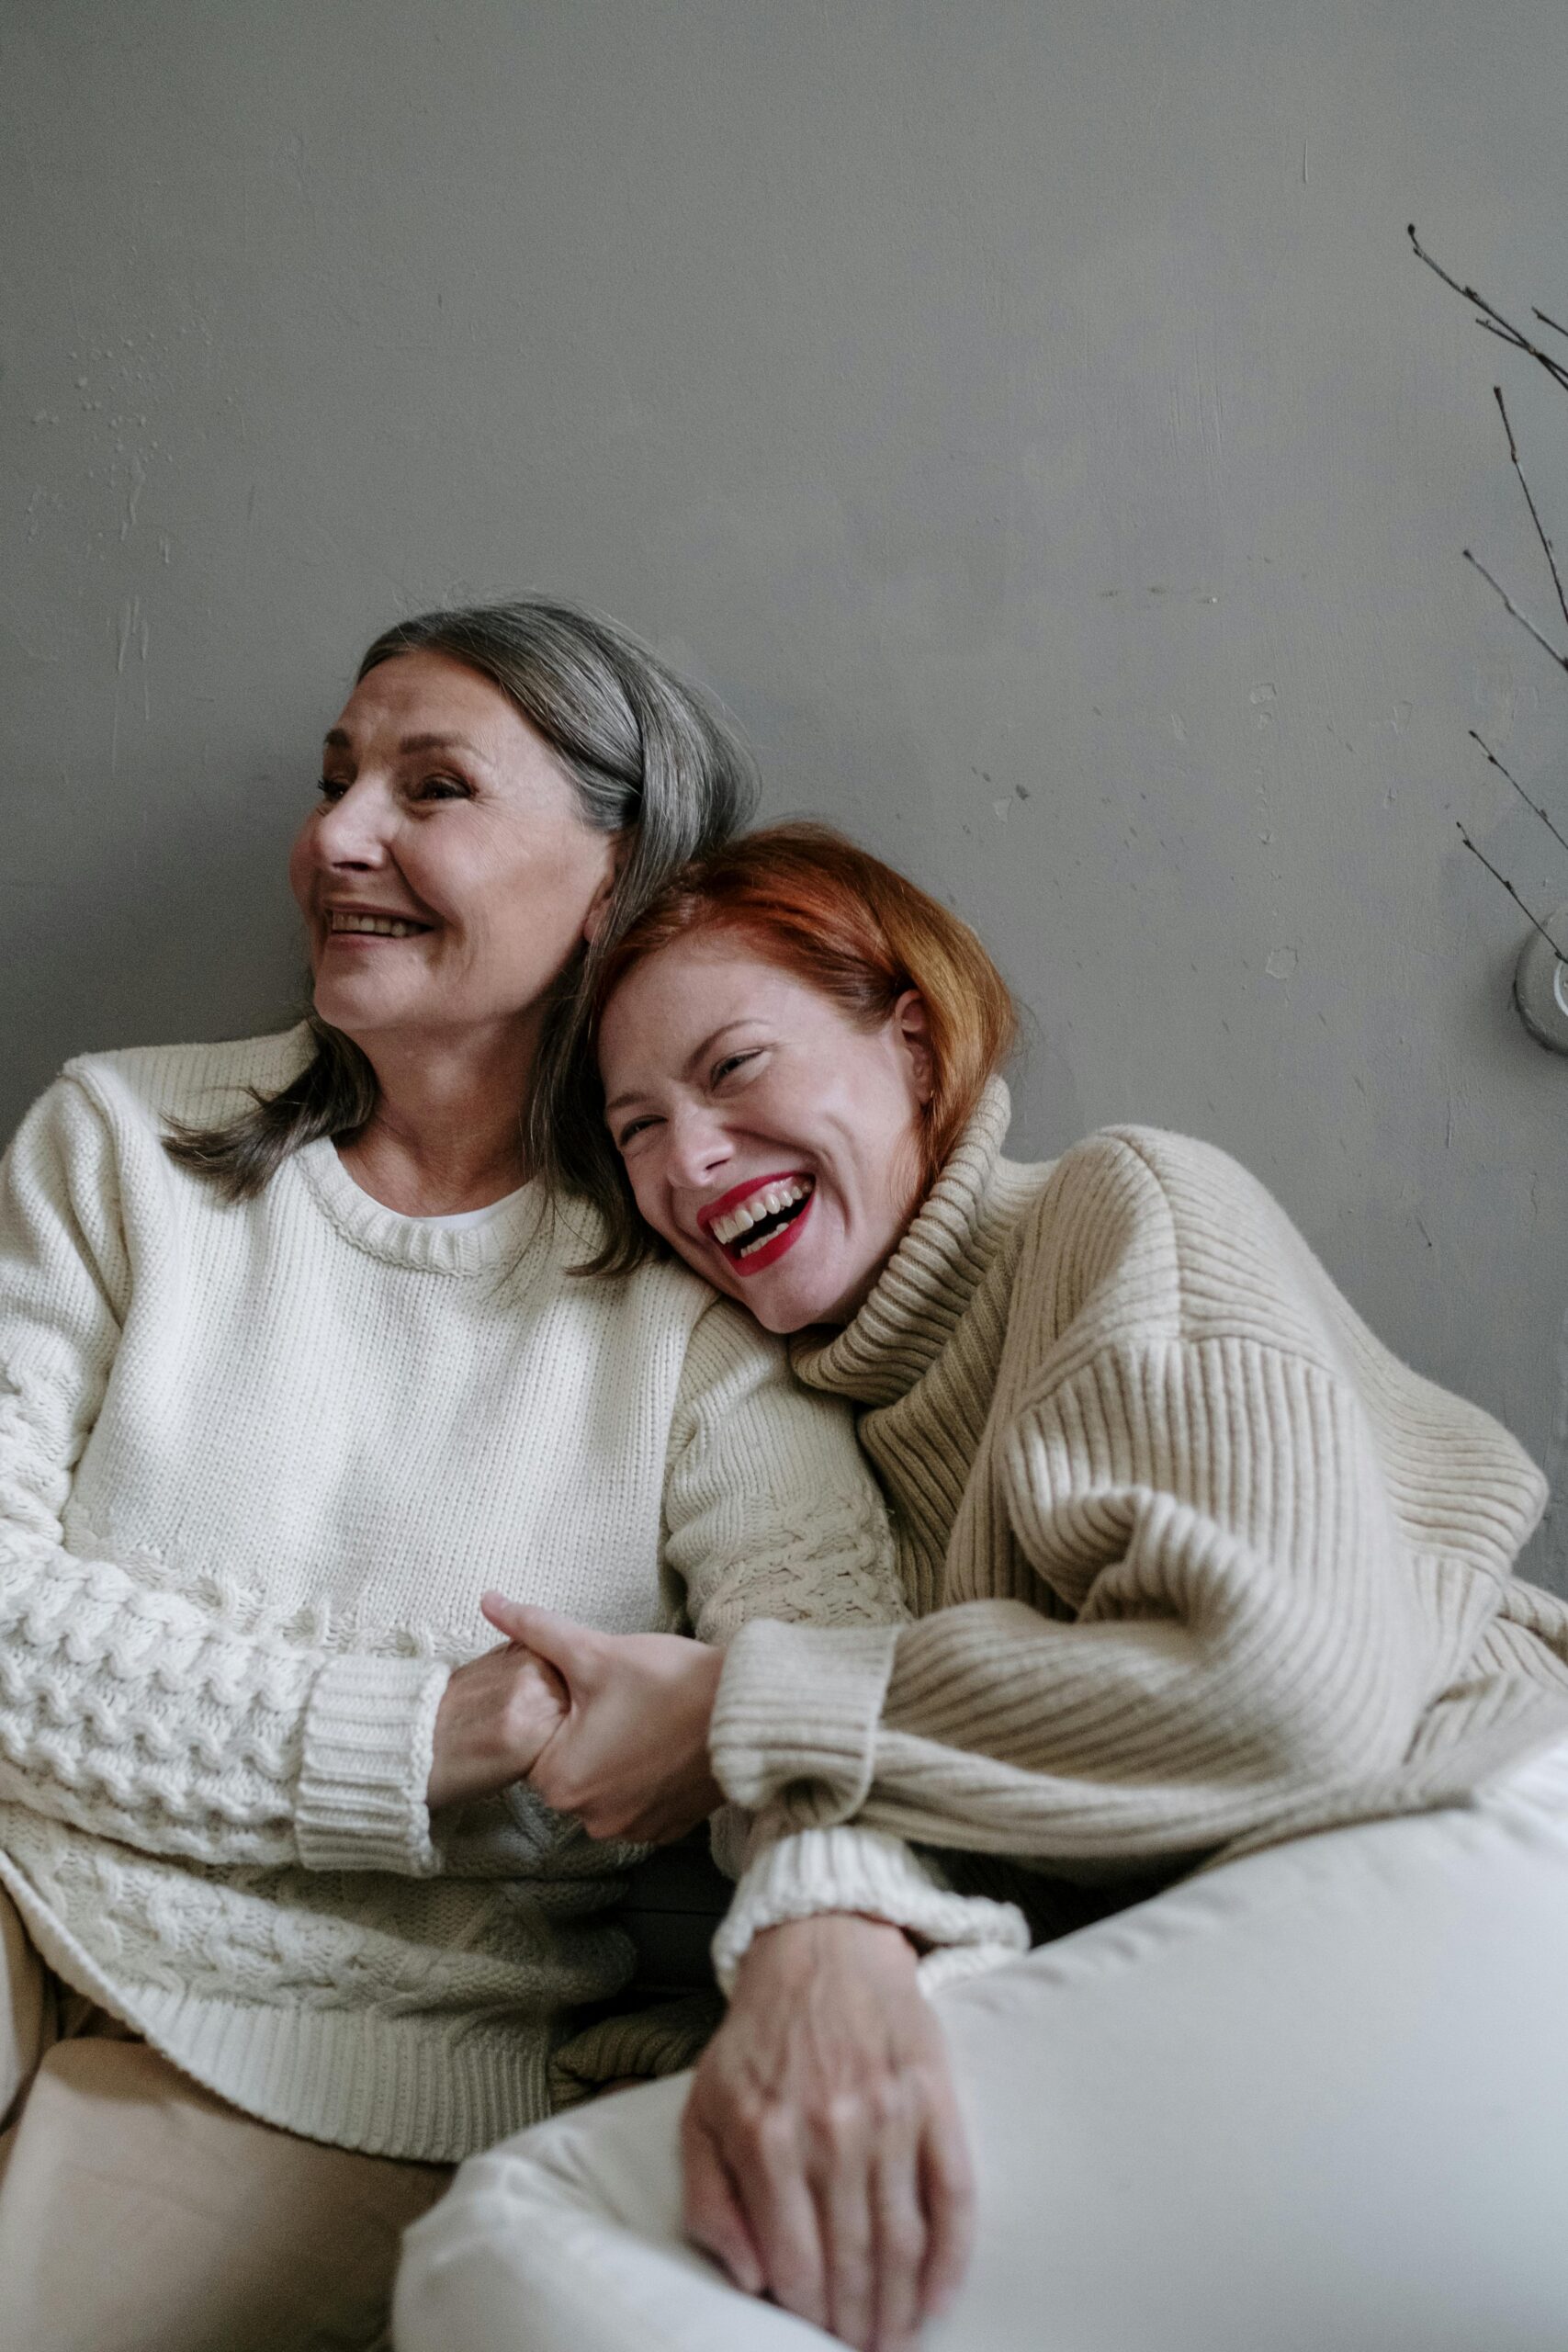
344	922
755	1229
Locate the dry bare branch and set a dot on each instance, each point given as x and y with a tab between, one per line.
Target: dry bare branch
1529	502
1518	788
1523	618
1493	320
1513	894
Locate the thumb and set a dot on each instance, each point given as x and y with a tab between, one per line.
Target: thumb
560	1641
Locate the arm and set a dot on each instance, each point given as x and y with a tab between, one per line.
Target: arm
769	1512
1227	1619
824	2156
767	1504
134	1712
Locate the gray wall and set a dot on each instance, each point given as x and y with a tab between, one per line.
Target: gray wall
1027	413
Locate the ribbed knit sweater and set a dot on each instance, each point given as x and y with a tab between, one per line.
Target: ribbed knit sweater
257	1464
1197	1564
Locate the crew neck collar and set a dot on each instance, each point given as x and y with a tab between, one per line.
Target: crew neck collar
423	1243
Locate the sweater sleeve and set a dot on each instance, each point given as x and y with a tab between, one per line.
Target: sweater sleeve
771	1512
128	1709
1226	1620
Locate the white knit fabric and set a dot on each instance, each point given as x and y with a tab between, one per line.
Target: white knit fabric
1197	1564
257	1464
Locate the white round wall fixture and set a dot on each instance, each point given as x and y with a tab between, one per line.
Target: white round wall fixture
1540	987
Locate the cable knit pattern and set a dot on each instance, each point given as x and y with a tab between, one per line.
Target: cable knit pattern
257	1464
1199	1565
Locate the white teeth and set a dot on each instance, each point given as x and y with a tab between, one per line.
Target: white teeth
378	926
756	1206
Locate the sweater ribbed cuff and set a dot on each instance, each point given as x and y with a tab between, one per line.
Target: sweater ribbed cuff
795	1721
809	1871
369	1733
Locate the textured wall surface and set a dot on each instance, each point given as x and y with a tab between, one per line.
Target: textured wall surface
1029	417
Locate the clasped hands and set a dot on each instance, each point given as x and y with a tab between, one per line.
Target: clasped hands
611	1729
824	2160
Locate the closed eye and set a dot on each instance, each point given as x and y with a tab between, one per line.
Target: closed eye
731	1063
633	1128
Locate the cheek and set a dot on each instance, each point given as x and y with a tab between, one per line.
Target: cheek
649	1195
535	919
300	863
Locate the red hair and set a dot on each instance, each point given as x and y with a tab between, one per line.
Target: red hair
809	901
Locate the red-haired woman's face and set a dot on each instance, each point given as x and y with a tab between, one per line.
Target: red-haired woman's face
772	1139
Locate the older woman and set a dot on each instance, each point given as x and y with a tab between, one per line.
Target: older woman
293	1368
1200	1568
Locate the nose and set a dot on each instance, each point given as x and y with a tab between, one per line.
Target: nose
699	1147
351	831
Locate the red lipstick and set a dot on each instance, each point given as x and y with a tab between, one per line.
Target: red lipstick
770	1251
738	1192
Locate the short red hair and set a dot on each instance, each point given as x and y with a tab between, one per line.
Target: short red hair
808	900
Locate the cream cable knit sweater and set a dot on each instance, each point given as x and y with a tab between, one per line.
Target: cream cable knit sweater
256	1466
1209	1566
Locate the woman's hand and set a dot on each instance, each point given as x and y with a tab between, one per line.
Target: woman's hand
825	2159
496	1713
629	1755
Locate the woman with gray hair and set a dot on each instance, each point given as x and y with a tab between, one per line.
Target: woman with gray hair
295	1367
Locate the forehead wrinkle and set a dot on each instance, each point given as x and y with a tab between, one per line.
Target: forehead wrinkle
440	743
337	738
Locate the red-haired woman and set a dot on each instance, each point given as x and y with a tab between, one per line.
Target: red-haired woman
1197	1568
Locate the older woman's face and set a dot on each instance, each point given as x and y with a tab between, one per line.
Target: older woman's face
447	874
772	1140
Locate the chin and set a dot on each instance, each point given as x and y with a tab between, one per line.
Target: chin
350	1010
797	1307
782	1320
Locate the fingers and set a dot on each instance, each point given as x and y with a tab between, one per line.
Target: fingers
505	1615
900	2225
849	2258
947	2195
567	1646
872	2223
713	2217
766	2164
847	2225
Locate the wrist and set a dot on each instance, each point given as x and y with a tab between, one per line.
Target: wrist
831	1936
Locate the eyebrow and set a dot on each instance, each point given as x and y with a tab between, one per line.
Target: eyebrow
335	740
689	1065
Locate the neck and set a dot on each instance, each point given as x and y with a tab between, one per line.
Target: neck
446	1131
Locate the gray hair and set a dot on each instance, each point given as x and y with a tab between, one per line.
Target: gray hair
650	759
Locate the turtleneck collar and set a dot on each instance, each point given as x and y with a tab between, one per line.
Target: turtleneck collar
926	1288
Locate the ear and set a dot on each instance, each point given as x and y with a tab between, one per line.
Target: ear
913	1025
599	905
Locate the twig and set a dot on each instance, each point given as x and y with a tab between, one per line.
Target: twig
1523	618
1535	518
1507	334
1549	322
1518	788
1513	894
1499	326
